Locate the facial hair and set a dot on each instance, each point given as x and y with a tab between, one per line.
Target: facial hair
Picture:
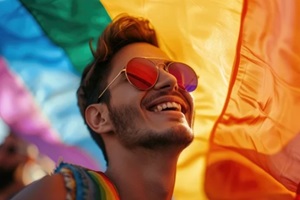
125	120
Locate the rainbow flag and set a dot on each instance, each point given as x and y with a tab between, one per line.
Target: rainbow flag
246	53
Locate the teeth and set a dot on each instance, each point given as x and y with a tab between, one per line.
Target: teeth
165	105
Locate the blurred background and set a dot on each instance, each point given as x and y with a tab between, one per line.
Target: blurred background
246	53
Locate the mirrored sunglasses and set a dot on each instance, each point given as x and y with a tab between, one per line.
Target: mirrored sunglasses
143	74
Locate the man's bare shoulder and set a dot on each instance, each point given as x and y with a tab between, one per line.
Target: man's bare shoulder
48	188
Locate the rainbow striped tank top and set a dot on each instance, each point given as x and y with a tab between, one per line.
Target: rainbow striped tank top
85	184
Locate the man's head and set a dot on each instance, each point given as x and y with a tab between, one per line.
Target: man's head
143	105
13	155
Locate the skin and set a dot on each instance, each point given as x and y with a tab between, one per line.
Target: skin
166	89
138	171
12	160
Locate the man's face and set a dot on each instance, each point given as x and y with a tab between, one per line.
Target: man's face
12	152
12	155
138	117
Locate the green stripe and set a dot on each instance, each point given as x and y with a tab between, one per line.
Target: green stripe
70	24
101	190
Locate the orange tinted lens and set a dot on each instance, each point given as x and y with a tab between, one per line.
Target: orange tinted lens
142	73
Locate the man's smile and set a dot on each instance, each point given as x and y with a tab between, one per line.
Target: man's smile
167	106
168	103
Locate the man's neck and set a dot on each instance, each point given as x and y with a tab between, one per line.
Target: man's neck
143	175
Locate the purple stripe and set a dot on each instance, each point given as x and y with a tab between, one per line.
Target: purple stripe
18	110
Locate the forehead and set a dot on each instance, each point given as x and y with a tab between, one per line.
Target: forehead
136	50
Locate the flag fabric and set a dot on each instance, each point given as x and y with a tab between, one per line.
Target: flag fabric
255	139
244	51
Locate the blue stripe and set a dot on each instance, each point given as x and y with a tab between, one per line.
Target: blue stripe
46	71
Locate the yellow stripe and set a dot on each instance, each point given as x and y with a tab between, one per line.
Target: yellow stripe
204	35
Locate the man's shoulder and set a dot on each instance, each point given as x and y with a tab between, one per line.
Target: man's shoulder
49	187
81	175
87	183
70	181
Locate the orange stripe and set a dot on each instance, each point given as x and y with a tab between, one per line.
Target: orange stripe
258	131
105	184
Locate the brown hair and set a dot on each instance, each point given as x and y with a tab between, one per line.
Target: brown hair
122	31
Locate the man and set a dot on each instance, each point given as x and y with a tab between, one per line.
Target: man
19	165
136	103
13	158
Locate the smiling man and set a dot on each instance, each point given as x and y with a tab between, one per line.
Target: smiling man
137	105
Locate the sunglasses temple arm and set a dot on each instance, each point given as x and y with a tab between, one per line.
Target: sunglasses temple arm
110	84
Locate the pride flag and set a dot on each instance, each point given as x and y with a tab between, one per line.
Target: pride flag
246	53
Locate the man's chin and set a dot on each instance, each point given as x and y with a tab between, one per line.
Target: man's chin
179	136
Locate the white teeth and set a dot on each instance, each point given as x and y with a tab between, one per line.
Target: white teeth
159	108
165	105
177	105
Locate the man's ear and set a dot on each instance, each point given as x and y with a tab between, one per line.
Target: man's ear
97	117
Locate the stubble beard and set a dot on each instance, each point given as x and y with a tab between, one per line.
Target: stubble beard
131	136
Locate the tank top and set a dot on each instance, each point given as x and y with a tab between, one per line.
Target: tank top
86	184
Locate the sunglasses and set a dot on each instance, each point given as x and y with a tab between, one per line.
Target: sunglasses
143	74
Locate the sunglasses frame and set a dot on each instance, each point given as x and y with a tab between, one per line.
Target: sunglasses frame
166	66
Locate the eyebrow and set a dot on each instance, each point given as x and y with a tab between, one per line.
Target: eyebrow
156	58
165	61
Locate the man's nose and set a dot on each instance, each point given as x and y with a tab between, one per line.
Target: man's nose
166	81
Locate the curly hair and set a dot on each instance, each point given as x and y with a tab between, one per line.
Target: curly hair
122	31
